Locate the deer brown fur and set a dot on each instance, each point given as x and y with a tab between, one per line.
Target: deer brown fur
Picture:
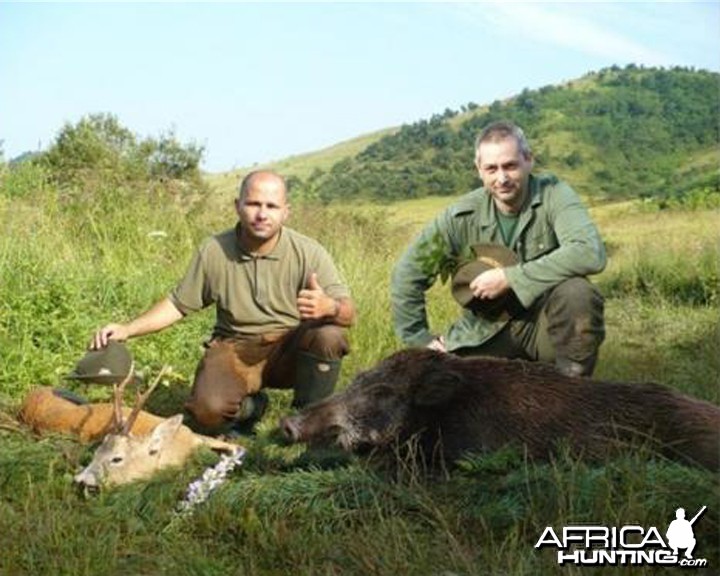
135	444
46	410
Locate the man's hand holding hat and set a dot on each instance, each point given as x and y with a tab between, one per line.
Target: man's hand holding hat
490	284
117	332
481	284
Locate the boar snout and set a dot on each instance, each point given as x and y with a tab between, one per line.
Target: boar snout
290	428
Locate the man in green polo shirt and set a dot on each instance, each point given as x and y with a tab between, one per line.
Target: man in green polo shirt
281	306
550	311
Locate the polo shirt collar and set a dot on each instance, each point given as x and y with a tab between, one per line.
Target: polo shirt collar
277	253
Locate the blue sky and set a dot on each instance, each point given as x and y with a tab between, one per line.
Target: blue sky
255	82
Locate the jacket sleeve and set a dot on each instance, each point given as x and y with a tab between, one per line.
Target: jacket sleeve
579	252
410	279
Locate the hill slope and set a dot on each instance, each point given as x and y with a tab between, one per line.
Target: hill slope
300	168
616	133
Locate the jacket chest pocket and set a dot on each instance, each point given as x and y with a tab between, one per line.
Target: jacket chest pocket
538	243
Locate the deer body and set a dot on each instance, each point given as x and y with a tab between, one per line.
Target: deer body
45	410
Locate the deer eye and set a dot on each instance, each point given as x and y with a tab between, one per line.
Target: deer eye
116	459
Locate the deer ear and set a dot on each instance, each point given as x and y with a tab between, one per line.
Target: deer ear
437	386
163	432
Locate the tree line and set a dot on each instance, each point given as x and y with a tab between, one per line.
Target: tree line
626	131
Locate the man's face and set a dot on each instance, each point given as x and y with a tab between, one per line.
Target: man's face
262	209
505	171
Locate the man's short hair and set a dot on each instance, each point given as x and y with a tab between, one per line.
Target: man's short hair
498	131
247	181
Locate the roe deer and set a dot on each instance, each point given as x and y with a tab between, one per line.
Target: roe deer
135	444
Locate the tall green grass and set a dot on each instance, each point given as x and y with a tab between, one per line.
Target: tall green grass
69	262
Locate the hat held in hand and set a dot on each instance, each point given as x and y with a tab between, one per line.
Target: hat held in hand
487	257
108	365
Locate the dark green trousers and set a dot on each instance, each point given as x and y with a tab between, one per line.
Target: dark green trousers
566	327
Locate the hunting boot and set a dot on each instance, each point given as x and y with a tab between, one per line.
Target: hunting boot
575	325
315	378
250	413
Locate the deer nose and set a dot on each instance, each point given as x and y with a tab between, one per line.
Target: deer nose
86	480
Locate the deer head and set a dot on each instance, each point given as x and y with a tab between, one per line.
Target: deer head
123	457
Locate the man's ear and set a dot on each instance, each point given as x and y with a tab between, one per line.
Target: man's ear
477	163
530	159
436	387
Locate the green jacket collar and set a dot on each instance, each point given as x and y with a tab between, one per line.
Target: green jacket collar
481	203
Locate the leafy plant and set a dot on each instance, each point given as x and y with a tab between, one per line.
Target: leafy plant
437	259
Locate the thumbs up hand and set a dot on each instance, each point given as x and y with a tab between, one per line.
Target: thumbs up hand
313	303
312	283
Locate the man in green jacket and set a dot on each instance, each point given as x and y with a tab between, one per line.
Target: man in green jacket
282	310
547	309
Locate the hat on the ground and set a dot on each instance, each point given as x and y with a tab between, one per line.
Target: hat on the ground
108	365
487	257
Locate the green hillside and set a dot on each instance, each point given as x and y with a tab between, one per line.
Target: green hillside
617	133
300	168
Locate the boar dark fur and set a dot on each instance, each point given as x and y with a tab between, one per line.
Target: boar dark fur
453	405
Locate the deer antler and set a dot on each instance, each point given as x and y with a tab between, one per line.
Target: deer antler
140	400
118	391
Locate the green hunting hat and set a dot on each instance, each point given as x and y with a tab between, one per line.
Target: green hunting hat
108	365
487	257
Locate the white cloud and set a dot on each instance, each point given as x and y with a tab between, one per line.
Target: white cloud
591	28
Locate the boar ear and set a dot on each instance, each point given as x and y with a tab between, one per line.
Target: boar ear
436	387
164	432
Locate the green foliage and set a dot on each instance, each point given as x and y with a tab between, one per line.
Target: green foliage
672	277
96	145
99	150
22	180
166	157
437	260
696	199
630	131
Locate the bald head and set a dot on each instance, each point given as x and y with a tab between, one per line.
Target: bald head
259	178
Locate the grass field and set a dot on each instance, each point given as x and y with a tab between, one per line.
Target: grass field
70	264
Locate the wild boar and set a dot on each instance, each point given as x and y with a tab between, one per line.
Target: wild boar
453	405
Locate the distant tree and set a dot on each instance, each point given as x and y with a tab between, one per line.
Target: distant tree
97	143
166	157
99	149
